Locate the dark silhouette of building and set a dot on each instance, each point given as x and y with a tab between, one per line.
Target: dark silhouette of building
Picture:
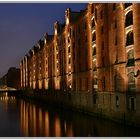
12	78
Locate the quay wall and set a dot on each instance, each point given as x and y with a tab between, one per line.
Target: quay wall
109	105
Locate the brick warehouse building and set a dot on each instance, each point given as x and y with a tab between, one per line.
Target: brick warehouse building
96	51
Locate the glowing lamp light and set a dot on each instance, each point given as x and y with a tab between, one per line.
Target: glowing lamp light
92	17
69	67
67	21
45	41
94	45
93	31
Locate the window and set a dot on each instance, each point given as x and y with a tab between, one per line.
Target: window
115	24
114	6
68	49
101	15
132	103
80	83
94	51
102	29
103	83
94	37
69	61
116	41
102	45
129	19
130	54
102	60
117	101
93	23
92	8
96	14
57	56
129	39
86	83
68	40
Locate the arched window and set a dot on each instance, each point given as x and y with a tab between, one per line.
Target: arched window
130	57
94	37
130	39
131	78
131	82
94	51
93	23
130	54
127	5
129	19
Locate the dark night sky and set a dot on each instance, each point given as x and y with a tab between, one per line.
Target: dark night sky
23	24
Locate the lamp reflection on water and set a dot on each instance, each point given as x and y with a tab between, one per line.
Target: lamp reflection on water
5	97
36	121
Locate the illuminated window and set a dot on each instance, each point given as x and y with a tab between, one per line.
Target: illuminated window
130	39
130	57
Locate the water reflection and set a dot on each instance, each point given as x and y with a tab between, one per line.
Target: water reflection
22	118
36	121
4	96
50	122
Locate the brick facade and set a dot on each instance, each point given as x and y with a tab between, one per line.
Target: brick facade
96	49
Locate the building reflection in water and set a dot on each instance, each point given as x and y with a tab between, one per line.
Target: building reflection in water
50	122
4	96
35	121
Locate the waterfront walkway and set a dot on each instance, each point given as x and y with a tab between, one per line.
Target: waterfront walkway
5	88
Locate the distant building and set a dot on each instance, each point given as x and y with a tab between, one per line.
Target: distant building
12	78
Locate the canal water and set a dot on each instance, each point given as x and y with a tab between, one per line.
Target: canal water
20	118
